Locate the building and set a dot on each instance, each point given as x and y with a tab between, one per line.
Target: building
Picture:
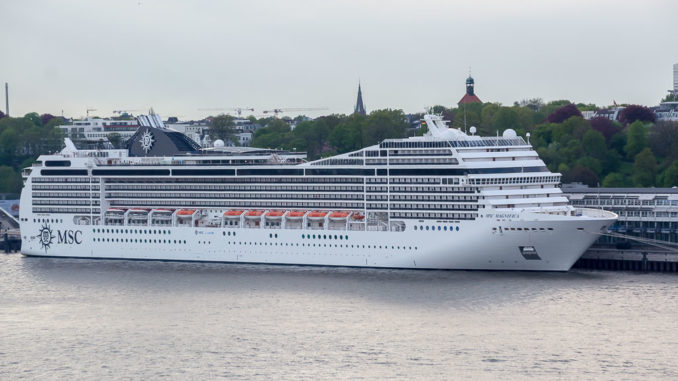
359	106
611	113
666	112
675	78
198	131
470	96
97	129
643	212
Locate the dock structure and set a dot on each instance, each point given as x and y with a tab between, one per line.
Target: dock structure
645	259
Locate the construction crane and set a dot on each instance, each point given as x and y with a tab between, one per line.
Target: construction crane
238	110
125	111
277	111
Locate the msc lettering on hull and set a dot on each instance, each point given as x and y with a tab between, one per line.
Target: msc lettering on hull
69	237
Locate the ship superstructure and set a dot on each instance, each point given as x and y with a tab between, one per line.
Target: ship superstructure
447	200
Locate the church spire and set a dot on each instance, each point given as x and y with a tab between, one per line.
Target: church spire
359	106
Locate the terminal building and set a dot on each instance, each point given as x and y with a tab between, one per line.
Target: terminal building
649	213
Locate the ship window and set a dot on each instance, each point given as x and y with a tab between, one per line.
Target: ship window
457	228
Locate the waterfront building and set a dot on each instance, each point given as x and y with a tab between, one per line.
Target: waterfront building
198	131
97	129
675	78
643	212
470	96
611	113
666	112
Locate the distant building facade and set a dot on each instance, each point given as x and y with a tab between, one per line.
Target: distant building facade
675	78
97	129
198	131
470	96
666	112
643	212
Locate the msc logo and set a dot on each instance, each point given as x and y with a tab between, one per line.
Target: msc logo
46	237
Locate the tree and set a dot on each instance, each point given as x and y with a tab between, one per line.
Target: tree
614	180
115	139
636	140
222	127
582	175
10	180
564	113
44	118
384	124
671	175
672	97
634	113
347	135
645	169
34	118
2	115
594	144
276	134
663	139
604	126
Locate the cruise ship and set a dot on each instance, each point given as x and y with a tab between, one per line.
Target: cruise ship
446	200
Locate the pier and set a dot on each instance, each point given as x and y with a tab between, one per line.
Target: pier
644	258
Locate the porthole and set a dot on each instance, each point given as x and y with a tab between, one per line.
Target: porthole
457	228
415	227
427	228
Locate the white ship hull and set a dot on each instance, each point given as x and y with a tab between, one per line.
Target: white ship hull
475	246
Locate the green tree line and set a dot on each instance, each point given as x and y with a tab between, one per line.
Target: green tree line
597	152
638	152
22	140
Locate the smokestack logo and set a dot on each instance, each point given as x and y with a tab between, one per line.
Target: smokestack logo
146	141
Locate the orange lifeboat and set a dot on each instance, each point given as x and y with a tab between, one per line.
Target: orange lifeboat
296	214
254	213
275	214
185	212
234	213
358	217
137	210
114	210
317	215
339	216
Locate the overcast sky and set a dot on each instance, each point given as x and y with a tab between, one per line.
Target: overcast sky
178	55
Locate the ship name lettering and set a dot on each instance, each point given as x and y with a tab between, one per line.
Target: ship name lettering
69	237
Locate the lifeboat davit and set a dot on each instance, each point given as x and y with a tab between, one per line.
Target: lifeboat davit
234	213
296	214
358	217
275	214
254	214
317	215
339	216
185	212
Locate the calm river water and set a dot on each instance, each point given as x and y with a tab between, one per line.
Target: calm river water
85	319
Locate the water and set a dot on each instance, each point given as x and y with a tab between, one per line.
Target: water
83	319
